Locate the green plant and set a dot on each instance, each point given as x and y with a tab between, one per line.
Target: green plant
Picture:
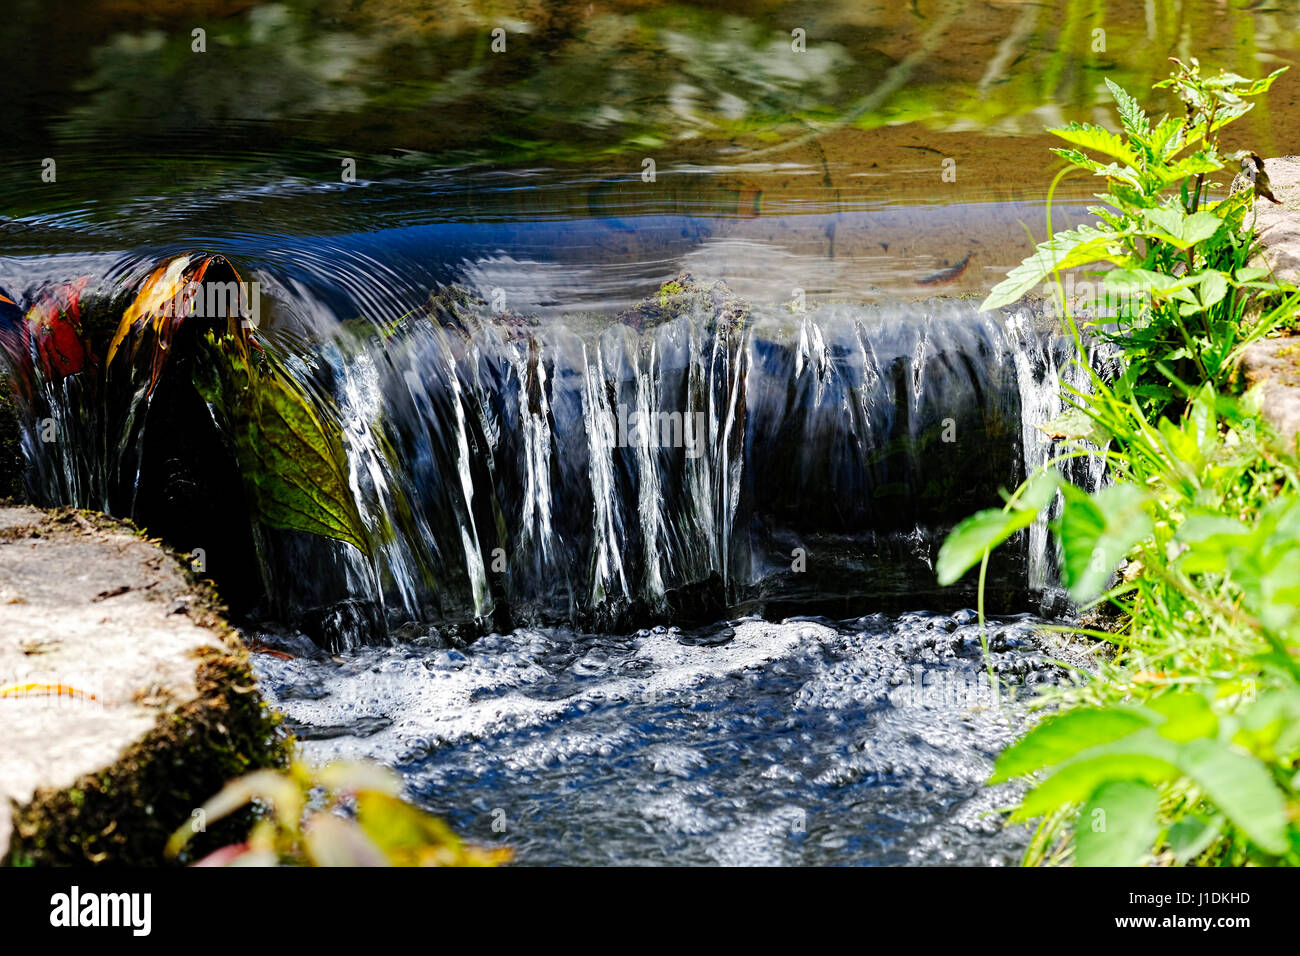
1184	745
1179	261
290	454
344	814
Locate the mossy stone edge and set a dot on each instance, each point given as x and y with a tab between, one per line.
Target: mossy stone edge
122	814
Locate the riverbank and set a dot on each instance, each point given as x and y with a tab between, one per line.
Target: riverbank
1184	745
127	699
1273	364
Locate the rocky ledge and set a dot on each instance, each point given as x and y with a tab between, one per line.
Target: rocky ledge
1274	363
125	698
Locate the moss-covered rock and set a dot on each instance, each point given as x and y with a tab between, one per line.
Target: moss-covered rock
123	815
155	706
716	304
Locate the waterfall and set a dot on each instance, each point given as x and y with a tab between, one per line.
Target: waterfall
1046	366
701	461
632	473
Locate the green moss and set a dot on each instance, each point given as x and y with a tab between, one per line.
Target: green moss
668	291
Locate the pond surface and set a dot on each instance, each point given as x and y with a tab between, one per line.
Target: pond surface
793	146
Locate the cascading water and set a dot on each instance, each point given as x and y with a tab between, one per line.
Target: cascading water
693	463
697	455
1047	372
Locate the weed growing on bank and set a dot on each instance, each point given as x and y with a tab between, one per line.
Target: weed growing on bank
1183	747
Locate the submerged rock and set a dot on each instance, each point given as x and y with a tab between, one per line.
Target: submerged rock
686	297
126	700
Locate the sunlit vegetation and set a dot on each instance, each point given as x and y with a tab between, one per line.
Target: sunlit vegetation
1182	747
343	814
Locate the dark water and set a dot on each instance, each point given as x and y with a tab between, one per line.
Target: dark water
803	742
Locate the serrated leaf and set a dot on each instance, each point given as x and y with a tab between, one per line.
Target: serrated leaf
1099	140
1131	113
1166	139
1065	250
1079	159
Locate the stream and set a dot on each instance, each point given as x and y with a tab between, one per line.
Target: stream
807	741
650	365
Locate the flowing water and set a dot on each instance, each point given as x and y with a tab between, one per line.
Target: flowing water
746	742
652	347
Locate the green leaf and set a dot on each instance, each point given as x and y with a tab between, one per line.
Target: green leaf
1249	274
1075	424
1194	165
1213	286
1075	157
1131	114
1166	139
1191	836
399	828
410	837
1210	538
1065	250
1187	716
1256	87
1137	757
1181	230
1242	788
1098	139
985	530
1062	737
1158	284
1117	825
1096	533
291	458
1226	114
1270	727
